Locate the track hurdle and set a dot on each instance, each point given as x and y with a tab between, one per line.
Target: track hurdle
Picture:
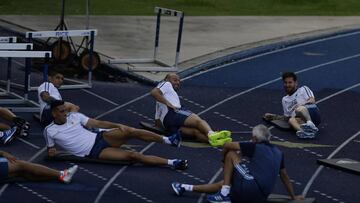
162	67
19	99
68	33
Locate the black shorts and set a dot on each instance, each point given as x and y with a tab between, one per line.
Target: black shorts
244	187
175	119
4	168
99	145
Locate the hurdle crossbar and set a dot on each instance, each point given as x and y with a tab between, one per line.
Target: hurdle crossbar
68	33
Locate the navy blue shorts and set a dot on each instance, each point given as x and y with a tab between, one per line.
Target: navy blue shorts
46	116
99	145
244	187
175	119
314	113
4	168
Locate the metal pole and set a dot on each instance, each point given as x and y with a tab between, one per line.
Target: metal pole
27	73
87	25
157	33
179	40
91	53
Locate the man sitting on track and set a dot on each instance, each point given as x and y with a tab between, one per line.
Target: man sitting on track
67	130
246	182
47	92
175	118
299	107
11	167
18	126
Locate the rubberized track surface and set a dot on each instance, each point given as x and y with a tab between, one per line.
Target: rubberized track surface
232	97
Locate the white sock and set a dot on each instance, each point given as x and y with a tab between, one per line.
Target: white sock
1	134
171	162
210	132
166	140
187	187
225	190
309	122
62	173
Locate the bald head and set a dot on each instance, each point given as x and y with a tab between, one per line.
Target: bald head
174	79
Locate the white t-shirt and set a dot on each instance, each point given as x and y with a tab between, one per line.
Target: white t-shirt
51	89
299	97
170	95
71	136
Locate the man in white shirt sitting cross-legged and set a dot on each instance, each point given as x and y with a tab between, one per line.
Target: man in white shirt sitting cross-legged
68	131
299	107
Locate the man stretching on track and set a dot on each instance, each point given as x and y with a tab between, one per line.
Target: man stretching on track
67	130
177	119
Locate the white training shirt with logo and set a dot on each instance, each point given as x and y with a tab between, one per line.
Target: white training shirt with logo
299	97
71	136
170	95
51	89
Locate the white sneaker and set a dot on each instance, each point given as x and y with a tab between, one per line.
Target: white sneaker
68	174
309	127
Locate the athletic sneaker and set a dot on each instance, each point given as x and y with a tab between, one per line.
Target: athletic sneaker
8	135
177	188
219	142
175	139
180	164
309	127
68	174
219	198
220	135
305	135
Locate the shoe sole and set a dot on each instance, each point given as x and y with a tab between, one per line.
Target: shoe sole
219	143
304	136
72	174
175	190
219	202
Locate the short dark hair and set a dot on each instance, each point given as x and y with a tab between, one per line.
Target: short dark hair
289	75
53	71
56	103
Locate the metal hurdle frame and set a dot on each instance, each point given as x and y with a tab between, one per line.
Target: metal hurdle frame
67	33
24	100
163	67
11	47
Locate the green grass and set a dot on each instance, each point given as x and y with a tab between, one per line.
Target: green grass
190	7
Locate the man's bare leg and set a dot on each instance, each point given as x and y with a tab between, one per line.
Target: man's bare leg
35	172
119	154
194	133
7	114
194	121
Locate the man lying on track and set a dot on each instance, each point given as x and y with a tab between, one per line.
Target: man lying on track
11	167
299	107
246	182
67	131
176	119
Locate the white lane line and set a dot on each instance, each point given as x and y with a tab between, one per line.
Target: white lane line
272	52
35	193
110	182
28	143
277	79
121	106
100	97
319	169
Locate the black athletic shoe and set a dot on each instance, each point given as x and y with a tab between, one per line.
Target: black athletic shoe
180	164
